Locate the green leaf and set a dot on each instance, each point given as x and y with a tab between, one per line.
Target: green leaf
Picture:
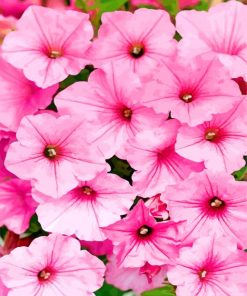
171	6
241	175
108	5
109	290
164	291
203	5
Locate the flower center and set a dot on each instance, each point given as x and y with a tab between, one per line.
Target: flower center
187	98
137	51
216	202
210	136
50	152
87	190
54	54
203	274
144	231
127	113
44	275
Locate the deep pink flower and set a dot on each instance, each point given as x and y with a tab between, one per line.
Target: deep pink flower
3	289
14	7
220	142
19	96
49	44
112	101
16	204
211	204
52	265
211	267
5	140
53	152
138	238
194	91
152	154
138	279
187	3
91	205
219	31
134	41
98	248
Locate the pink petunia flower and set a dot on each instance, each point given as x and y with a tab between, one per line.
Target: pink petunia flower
14	7
138	239
219	31
194	91
138	279
7	24
157	207
152	154
211	204
20	96
134	41
114	108
3	290
53	152
187	3
52	265
49	44
16	204
221	142
211	267
98	248
91	205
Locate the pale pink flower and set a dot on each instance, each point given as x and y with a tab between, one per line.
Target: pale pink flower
91	205
134	41
16	204
211	204
53	152
19	96
152	154
112	101
192	92
157	207
52	265
48	44
220	142
219	31
138	238
211	267
138	279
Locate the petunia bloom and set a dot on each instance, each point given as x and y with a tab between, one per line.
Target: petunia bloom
20	96
212	204
138	279
211	267
193	91
134	41
157	207
52	265
53	152
138	238
7	24
3	289
152	154
16	204
91	205
221	142
113	107
48	44
219	31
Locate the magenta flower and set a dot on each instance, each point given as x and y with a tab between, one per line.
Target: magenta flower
49	44
138	279
114	108
212	204
138	239
20	96
211	267
53	152
220	143
152	154
192	92
134	41
52	265
219	31
91	205
16	204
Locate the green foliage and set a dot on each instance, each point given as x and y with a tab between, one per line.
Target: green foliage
164	291
121	168
3	231
203	5
108	290
171	6
101	5
241	175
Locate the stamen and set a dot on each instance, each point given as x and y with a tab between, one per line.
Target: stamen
54	54
210	136
50	152
216	202
127	113
203	274
87	190
137	51
44	275
145	230
187	98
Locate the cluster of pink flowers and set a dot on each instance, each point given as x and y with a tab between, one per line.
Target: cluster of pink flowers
174	110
